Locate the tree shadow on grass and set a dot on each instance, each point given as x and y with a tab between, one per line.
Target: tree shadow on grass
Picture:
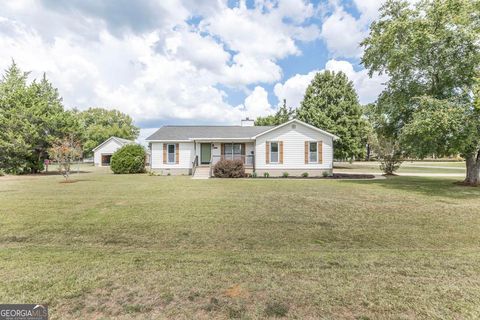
436	187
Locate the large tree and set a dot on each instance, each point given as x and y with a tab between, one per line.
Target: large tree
431	53
331	103
31	116
98	124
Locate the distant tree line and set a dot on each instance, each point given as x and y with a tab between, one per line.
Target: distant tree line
33	119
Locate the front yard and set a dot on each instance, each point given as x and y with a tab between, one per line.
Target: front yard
139	246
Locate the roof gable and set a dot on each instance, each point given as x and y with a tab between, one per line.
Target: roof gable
334	137
118	140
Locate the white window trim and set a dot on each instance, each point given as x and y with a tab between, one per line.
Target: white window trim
278	152
174	153
310	152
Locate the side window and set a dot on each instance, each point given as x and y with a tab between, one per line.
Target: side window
313	154
171	153
274	152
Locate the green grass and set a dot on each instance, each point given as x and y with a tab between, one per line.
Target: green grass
409	167
139	246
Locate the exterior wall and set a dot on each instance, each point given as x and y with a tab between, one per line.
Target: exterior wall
294	151
186	156
108	148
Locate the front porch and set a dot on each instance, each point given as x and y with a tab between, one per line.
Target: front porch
208	153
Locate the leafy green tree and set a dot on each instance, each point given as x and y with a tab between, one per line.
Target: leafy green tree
14	125
431	53
98	124
331	103
283	114
31	117
48	122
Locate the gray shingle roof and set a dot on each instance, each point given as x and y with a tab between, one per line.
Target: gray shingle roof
206	132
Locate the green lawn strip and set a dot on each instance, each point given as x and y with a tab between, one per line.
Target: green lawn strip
139	246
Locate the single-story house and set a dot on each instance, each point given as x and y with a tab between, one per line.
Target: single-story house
294	147
103	152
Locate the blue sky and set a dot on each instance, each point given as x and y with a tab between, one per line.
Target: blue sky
187	61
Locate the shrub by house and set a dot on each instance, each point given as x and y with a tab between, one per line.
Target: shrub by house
128	159
229	169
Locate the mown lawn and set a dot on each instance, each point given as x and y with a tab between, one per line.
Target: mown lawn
145	247
407	167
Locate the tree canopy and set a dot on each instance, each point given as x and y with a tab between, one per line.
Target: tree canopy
98	124
33	118
282	115
431	53
331	103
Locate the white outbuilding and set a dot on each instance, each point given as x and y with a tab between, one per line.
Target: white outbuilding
103	152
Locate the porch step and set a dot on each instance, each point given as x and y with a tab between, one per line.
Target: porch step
202	173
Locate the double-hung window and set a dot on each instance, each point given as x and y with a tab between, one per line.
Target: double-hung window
312	152
274	152
232	151
171	153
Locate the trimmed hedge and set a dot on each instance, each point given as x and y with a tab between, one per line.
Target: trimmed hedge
128	159
229	169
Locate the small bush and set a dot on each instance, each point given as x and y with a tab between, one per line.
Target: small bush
128	159
305	174
266	174
325	174
2	173
285	174
229	169
276	309
254	175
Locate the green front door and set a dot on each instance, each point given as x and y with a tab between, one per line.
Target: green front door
205	153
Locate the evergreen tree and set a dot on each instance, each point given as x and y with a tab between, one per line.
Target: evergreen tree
331	103
283	114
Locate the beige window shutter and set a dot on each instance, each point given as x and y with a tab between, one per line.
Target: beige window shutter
267	152
281	151
165	153
177	153
320	151
306	152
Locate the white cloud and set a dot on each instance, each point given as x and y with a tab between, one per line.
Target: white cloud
368	89
294	88
256	104
343	34
145	60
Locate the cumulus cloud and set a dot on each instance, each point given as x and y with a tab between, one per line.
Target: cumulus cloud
342	32
157	60
294	88
368	89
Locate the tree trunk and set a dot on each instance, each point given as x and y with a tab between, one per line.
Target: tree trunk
473	169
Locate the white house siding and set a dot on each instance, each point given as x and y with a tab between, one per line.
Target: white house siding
294	151
108	148
186	152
